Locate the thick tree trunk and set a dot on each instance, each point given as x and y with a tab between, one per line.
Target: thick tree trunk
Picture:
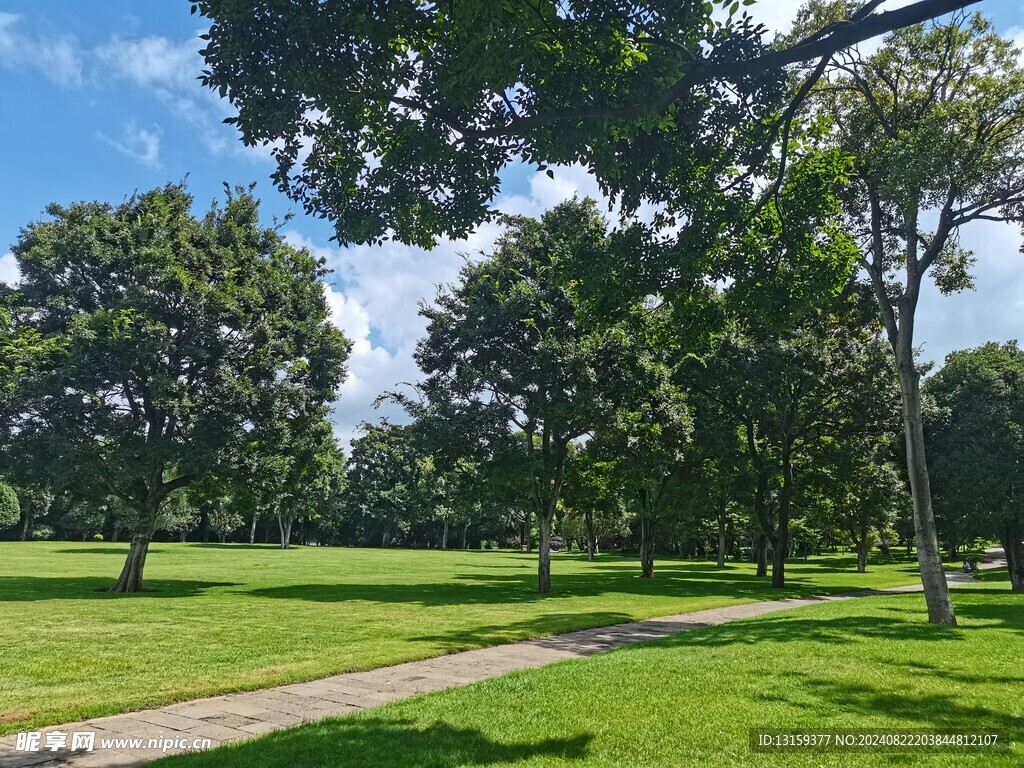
721	537
929	557
130	579
114	534
544	554
1012	539
444	535
588	520
647	547
862	550
252	530
761	555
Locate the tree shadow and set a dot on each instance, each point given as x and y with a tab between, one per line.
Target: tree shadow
515	587
122	550
512	631
18	589
377	742
862	702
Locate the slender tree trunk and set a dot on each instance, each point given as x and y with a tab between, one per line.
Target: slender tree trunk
544	554
721	536
527	538
115	533
781	542
1012	539
286	530
929	557
588	522
26	523
465	536
183	535
647	525
252	529
444	535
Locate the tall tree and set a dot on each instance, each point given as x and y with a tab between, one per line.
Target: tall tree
383	471
935	123
510	340
787	391
172	336
645	436
976	438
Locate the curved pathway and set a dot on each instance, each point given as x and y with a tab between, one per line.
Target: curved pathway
236	716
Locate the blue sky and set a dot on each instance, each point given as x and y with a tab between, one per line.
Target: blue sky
98	98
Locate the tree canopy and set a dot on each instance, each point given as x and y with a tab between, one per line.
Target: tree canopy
173	337
393	119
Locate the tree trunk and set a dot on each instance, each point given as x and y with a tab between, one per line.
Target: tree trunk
929	557
544	554
444	535
862	550
286	531
588	521
183	535
465	536
761	554
26	524
115	533
647	547
526	542
252	529
781	542
721	537
1012	539
130	579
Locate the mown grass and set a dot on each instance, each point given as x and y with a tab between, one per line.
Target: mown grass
691	700
221	618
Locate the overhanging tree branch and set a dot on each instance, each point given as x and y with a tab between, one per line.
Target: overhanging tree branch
704	70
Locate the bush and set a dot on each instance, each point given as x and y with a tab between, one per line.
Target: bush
42	533
10	509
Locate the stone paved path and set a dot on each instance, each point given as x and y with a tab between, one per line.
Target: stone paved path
235	716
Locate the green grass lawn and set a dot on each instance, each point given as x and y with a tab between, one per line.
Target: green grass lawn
222	618
691	700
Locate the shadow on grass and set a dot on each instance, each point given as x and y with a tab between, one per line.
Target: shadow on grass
17	589
121	551
493	588
378	742
511	631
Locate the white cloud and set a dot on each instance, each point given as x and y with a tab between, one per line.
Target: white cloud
56	57
153	61
9	272
140	144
